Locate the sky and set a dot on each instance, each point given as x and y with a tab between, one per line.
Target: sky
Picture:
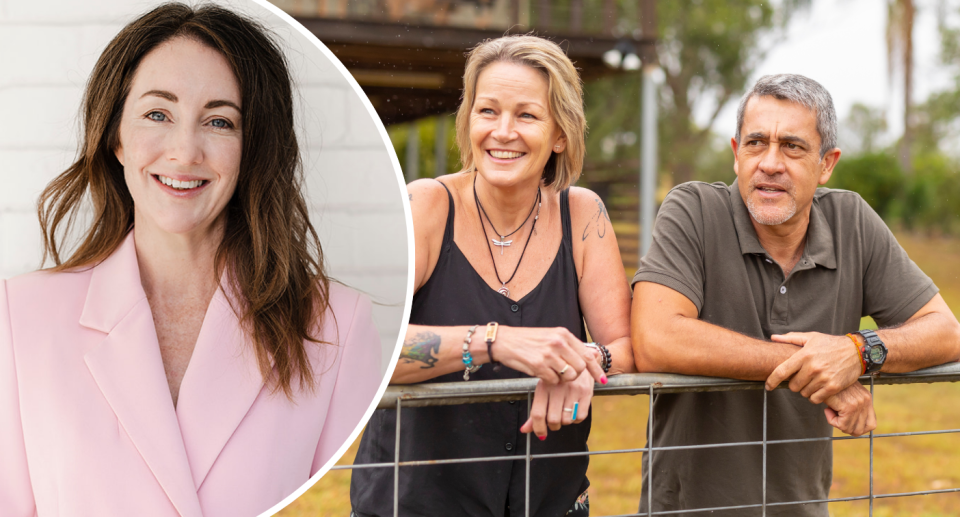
842	45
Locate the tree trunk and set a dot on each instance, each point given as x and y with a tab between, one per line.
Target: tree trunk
900	26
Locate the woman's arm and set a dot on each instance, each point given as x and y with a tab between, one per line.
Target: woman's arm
429	206
604	291
16	493
430	352
425	347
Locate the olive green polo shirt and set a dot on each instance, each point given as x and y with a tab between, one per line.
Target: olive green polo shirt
705	247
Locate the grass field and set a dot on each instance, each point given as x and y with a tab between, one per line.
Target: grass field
900	464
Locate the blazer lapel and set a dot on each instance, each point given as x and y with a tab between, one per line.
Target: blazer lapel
220	385
129	371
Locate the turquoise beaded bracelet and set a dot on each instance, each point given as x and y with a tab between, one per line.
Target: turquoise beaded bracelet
467	358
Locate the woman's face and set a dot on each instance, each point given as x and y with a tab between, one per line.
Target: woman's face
181	137
512	130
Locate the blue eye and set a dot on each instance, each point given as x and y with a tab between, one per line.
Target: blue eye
156	116
220	123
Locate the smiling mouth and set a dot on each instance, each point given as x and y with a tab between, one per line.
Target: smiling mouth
505	155
770	189
179	185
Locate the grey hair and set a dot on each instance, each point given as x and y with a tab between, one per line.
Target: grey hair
800	90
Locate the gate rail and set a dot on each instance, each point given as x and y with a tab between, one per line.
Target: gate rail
445	394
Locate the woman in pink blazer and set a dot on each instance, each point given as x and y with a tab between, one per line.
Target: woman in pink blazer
188	357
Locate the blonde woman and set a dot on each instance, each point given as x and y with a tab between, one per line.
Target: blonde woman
506	247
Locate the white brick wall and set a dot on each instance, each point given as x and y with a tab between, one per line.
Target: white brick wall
49	47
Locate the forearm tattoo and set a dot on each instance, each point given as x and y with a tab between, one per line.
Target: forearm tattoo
597	221
423	347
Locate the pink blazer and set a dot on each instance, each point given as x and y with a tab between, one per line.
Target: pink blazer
88	427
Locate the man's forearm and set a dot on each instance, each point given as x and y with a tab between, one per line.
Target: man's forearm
668	337
927	340
694	347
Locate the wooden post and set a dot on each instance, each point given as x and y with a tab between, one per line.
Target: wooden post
543	14
576	16
648	27
609	16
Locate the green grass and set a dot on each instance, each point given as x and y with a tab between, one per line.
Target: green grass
900	464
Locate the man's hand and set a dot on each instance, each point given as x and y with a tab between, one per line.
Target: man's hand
851	410
821	369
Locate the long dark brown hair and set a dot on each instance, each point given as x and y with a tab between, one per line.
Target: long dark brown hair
270	250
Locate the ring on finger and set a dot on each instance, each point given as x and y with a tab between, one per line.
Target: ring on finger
575	406
564	370
567	410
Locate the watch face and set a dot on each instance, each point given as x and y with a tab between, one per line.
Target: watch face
876	354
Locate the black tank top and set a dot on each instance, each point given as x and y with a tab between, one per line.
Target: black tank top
456	294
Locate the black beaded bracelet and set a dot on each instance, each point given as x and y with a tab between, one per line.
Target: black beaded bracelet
606	359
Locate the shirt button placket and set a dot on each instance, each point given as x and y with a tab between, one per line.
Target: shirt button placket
779	314
517	318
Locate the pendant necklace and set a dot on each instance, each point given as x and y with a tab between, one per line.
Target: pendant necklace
503	238
503	285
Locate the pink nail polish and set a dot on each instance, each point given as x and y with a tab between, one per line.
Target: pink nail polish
542	438
603	379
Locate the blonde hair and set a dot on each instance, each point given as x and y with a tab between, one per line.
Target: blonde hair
564	91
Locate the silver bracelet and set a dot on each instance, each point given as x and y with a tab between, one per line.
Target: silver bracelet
606	359
467	358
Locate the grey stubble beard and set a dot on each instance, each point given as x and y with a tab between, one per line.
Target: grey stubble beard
764	217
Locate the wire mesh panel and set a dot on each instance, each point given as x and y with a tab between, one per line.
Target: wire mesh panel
440	394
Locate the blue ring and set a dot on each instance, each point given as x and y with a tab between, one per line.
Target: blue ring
575	406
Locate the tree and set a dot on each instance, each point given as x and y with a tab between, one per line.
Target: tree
860	132
708	49
935	119
900	14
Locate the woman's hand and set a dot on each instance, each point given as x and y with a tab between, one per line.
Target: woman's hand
545	353
553	405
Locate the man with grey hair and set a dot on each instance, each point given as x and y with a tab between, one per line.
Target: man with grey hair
767	279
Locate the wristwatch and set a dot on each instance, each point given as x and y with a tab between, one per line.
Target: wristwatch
874	352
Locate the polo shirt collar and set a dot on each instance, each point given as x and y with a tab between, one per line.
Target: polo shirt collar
819	248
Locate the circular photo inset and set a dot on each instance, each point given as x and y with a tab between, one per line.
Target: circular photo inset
204	258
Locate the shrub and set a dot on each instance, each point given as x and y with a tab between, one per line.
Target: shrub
877	177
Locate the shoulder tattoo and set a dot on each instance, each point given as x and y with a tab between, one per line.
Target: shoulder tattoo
421	348
597	222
